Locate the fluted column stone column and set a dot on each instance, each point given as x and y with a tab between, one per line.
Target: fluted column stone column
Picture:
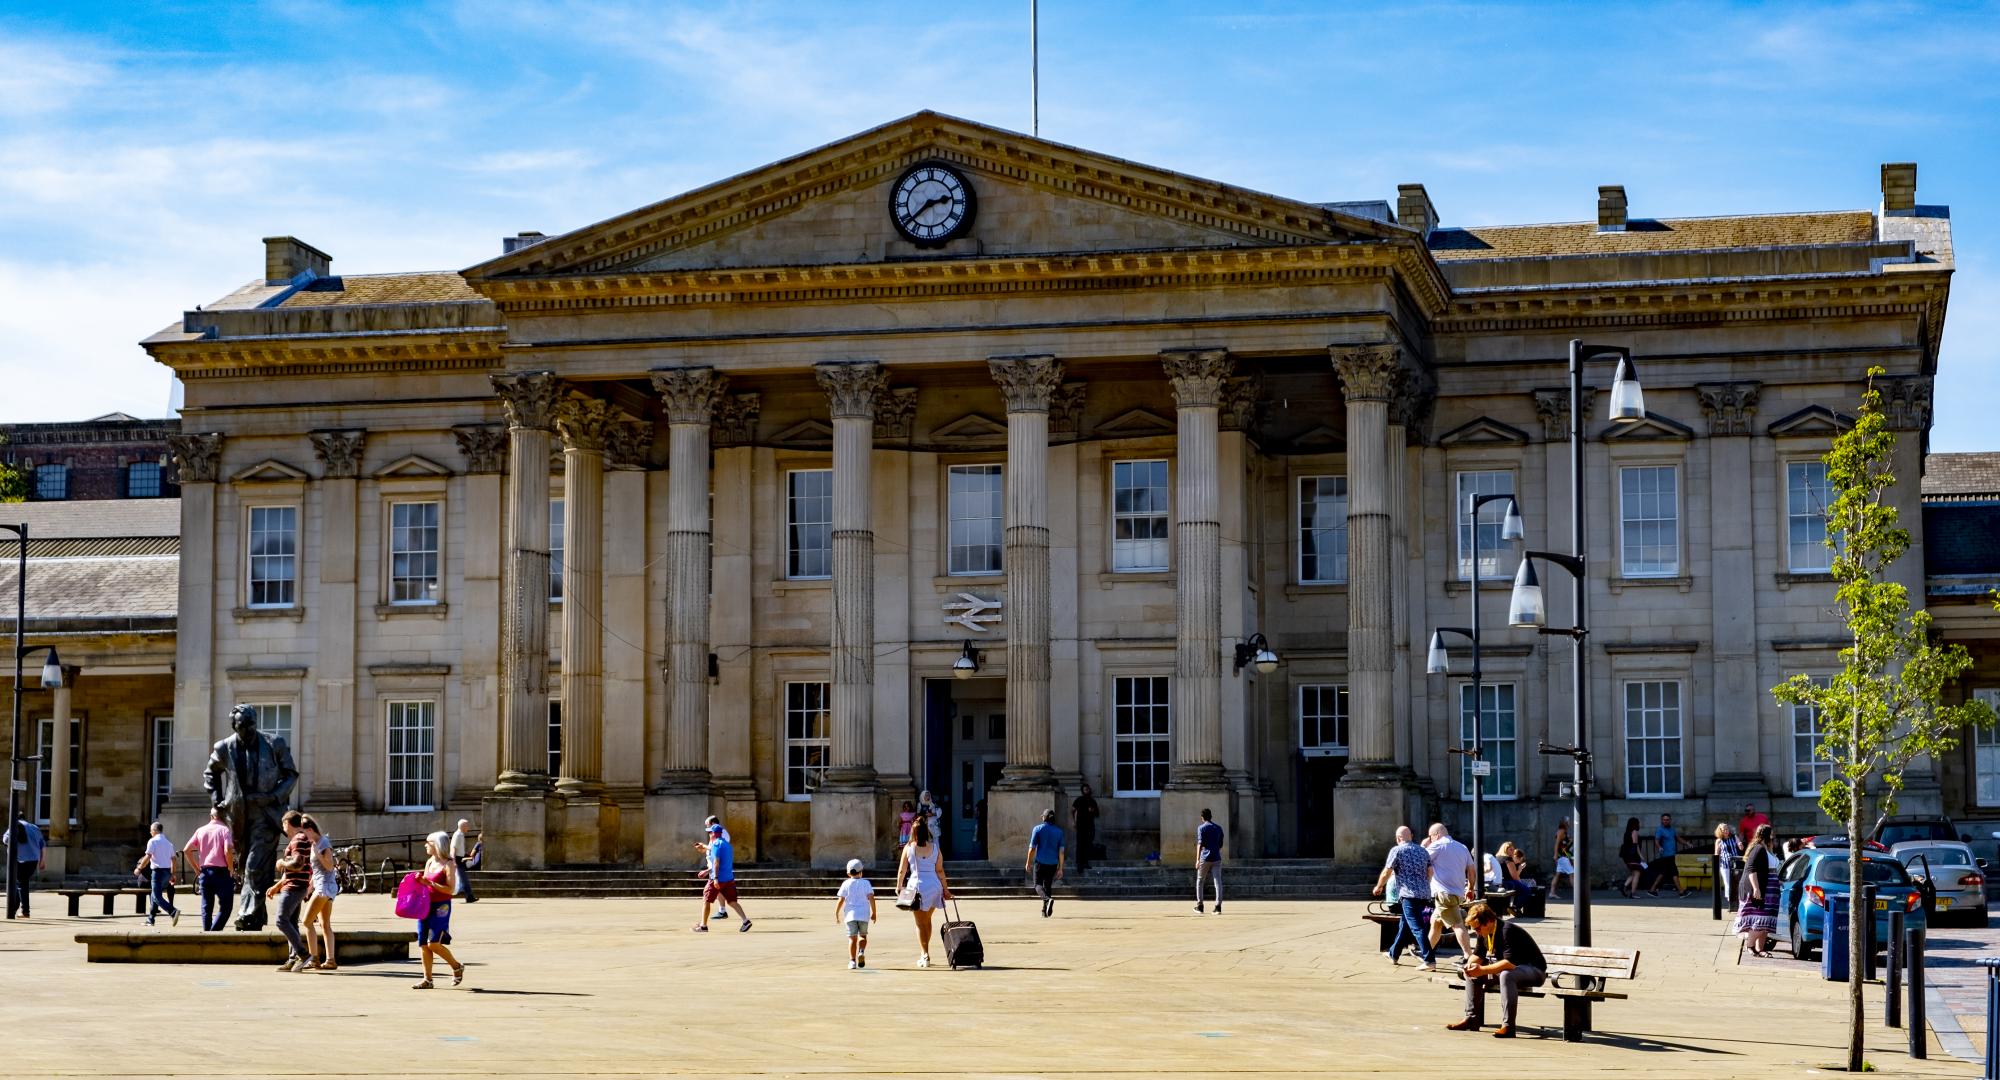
59	766
585	424
844	810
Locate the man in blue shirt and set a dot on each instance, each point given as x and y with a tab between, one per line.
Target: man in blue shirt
1045	859
1666	844
1208	859
24	847
721	887
1409	866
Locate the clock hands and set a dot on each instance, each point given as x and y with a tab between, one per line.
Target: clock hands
925	208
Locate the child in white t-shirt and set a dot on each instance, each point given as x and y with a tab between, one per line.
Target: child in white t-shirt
856	908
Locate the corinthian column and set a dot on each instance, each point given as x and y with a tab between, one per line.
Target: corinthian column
1028	383
844	804
1197	377
585	424
530	399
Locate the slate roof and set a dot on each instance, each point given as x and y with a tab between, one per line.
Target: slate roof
424	287
94	519
1653	234
129	587
102	559
1955	477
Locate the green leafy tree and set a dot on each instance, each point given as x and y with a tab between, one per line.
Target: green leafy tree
13	481
1884	708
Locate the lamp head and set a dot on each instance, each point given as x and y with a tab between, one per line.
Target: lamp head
52	675
1526	609
1266	661
1438	663
1511	527
967	663
1628	402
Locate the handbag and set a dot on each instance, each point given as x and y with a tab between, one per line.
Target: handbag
907	898
413	897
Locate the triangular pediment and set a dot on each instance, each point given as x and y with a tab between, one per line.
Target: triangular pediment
806	434
830	206
1483	431
1136	422
971	429
269	471
411	467
1651	426
1811	420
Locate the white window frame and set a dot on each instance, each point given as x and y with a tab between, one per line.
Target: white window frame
1818	768
1315	716
980	559
1795	518
1627	522
289	560
1332	570
809	712
45	776
1508	769
158	474
555	736
1651	716
1123	549
1985	746
395	710
394	580
61	475
558	527
266	710
793	523
1490	517
161	772
1127	740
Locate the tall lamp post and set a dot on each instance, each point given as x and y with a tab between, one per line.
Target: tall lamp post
51	678
1528	611
1440	664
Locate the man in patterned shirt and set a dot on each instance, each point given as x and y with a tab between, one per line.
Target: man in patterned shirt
1410	866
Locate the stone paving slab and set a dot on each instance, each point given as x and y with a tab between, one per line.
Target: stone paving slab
1106	988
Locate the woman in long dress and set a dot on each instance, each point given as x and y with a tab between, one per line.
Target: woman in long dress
1757	909
922	871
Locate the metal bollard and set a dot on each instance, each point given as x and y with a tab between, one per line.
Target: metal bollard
1715	888
1992	966
1918	1029
1865	911
1892	982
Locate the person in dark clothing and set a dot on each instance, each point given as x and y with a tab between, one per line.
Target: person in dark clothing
26	849
1508	957
1083	814
1208	859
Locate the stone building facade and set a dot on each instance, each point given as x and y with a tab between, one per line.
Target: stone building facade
711	507
114	456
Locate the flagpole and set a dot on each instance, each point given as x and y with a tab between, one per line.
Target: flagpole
1034	70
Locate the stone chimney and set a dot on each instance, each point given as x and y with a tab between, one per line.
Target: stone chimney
1414	209
286	257
1899	187
512	244
1611	208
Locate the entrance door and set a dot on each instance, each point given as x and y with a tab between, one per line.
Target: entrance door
1318	773
966	727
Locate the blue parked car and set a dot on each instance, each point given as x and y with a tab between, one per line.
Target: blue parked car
1810	876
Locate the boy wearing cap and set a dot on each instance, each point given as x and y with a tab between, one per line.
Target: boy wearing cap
856	908
721	887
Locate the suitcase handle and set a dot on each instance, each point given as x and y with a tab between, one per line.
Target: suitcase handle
954	910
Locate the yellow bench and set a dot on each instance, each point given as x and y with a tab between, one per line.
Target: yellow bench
1694	870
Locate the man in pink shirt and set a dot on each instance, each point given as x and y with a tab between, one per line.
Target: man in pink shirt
1746	830
213	849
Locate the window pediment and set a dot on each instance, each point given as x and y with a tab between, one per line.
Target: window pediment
1811	420
1484	431
1651	427
806	435
971	429
270	471
1136	422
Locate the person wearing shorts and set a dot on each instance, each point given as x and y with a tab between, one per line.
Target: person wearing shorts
854	906
721	887
1451	881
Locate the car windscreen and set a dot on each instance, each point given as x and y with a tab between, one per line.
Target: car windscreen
1873	871
1921	830
1935	856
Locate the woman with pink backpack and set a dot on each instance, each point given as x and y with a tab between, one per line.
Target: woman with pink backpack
426	897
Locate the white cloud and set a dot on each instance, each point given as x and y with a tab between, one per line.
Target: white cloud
40	77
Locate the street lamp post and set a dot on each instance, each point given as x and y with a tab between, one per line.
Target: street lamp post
51	678
1627	406
1438	664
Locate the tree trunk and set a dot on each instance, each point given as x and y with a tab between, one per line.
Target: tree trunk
1856	935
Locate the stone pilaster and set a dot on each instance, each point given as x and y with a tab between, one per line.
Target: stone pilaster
844	810
1198	378
58	853
198	457
332	784
517	824
1369	801
680	800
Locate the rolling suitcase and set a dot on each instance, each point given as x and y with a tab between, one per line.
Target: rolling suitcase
961	942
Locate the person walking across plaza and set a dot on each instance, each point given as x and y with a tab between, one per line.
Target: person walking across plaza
319	901
854	906
1451	882
1208	841
1757	906
1409	866
26	849
461	854
1564	861
1666	846
921	885
212	850
720	891
434	929
1633	858
294	882
1045	860
1083	816
156	868
1509	957
1727	851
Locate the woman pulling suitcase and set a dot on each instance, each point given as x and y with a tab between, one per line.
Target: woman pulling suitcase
921	887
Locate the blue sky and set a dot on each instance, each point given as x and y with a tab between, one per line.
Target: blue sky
145	148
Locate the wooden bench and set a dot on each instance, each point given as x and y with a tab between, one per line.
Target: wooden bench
110	893
1695	870
1577	976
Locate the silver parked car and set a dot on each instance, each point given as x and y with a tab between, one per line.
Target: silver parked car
1960	879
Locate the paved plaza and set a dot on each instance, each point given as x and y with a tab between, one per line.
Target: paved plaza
1142	988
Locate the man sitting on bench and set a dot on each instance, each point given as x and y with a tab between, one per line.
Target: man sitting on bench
1510	957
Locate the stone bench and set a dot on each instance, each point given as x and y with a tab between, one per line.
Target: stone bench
235	946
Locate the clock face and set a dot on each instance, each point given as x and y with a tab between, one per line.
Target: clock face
931	204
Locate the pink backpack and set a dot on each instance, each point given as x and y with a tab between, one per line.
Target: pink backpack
413	897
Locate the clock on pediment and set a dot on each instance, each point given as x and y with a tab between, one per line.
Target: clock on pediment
931	204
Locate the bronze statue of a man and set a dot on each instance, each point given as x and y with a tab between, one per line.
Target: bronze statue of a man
250	780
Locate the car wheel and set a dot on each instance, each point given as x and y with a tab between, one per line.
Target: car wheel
1802	949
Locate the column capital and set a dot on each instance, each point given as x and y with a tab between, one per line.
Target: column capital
1729	406
852	387
530	398
1028	383
1368	372
1906	401
340	452
1197	375
629	444
736	419
1066	408
689	393
895	412
1239	402
483	445
1552	405
585	423
198	455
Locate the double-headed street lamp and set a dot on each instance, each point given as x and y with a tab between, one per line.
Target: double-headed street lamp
1527	609
51	678
1440	664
